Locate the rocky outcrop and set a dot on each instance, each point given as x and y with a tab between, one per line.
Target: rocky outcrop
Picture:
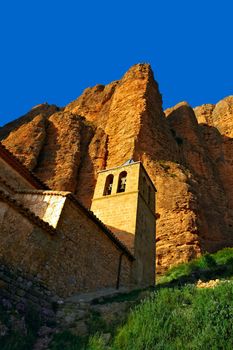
187	152
25	136
216	125
207	186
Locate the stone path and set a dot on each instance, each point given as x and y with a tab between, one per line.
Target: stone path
73	312
88	297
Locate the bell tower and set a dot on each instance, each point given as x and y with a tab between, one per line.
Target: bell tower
124	200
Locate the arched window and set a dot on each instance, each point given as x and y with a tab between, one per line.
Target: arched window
108	185
122	182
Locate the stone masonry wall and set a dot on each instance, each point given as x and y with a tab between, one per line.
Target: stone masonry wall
24	244
123	221
22	292
130	215
77	257
144	250
118	210
91	258
45	204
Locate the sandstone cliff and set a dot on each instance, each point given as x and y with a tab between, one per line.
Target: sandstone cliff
187	152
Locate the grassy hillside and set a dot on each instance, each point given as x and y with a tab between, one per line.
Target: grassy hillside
178	315
181	313
209	266
187	318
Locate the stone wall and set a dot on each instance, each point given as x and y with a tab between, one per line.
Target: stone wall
27	306
118	210
144	248
45	204
130	215
76	257
21	292
25	244
93	259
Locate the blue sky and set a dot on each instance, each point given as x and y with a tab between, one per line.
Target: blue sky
52	50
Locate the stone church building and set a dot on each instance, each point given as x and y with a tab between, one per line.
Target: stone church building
71	249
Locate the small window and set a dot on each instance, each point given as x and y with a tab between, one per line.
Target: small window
122	182
108	185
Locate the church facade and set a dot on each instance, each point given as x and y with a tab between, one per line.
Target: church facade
51	235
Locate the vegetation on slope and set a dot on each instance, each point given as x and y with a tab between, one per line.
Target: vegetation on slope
209	266
16	332
178	315
186	318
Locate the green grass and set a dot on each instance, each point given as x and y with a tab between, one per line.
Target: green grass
208	266
174	319
179	315
180	318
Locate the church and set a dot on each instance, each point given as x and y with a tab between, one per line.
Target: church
51	235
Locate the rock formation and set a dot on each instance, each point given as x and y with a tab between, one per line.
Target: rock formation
187	152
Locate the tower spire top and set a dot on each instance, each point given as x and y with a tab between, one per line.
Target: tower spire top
129	161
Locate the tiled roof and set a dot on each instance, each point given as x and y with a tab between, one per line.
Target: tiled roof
90	214
14	162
